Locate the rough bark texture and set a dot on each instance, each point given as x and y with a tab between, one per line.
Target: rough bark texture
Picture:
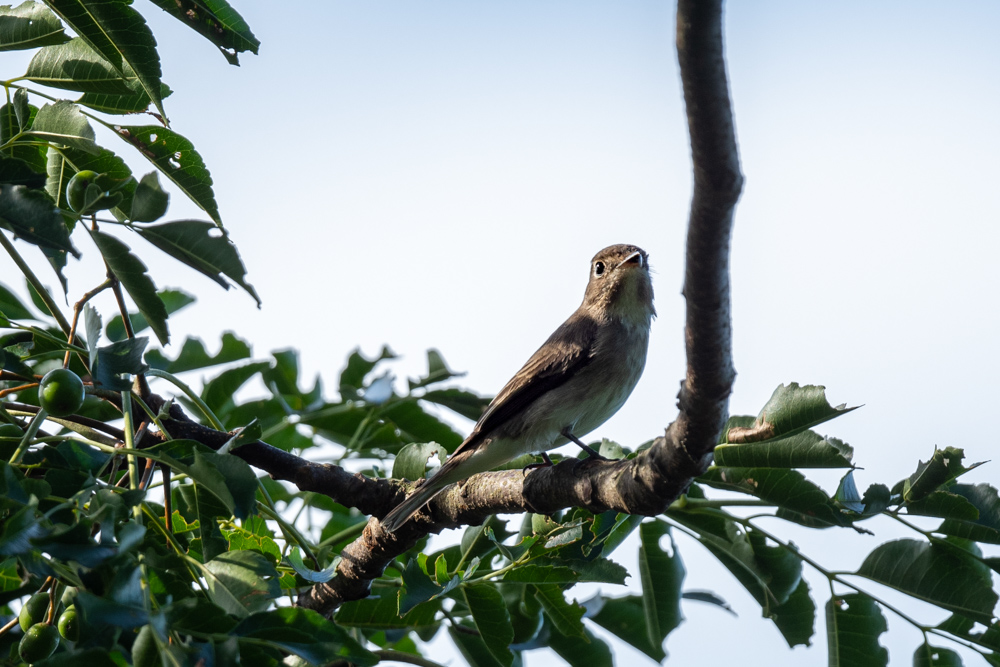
644	485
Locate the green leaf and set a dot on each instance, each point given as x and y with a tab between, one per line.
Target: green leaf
306	634
625	618
102	611
12	123
118	359
18	172
130	270
411	461
62	123
437	371
193	354
945	505
592	652
120	34
472	647
358	367
934	573
566	617
492	620
934	656
12	307
786	488
76	66
177	159
417	425
853	625
940	469
199	245
32	216
805	449
463	402
381	614
150	201
790	410
218	392
662	574
983	528
241	582
796	616
963	627
217	21
28	26
173	301
135	102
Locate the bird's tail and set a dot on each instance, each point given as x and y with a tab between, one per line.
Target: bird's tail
423	495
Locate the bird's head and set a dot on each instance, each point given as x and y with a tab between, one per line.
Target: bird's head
620	286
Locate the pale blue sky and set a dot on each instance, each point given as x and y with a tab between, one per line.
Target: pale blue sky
440	173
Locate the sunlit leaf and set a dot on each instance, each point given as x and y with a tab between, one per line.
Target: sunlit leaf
28	26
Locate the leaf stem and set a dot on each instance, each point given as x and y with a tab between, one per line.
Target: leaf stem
35	283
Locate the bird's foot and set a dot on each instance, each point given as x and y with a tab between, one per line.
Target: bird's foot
592	454
531	466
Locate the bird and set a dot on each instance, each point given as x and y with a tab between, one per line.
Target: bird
571	385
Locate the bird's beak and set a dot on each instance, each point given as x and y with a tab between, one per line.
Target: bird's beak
635	258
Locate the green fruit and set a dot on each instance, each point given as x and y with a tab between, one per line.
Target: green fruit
38	643
61	392
101	196
69	624
33	611
10	431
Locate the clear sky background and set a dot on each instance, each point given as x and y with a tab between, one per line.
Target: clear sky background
439	174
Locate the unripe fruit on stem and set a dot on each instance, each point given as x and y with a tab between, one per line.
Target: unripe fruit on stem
33	610
69	624
38	643
61	392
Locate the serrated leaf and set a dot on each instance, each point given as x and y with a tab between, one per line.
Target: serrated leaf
786	488
662	575
177	159
76	66
217	21
241	582
805	449
62	123
149	203
113	361
986	526
790	410
625	618
193	242
853	625
193	354
567	617
119	34
936	574
489	613
28	26
32	216
130	270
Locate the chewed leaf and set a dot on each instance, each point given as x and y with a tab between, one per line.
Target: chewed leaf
791	409
218	22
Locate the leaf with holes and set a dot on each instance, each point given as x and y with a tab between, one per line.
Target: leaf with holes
217	21
132	273
28	26
120	34
853	625
194	355
199	245
76	66
176	157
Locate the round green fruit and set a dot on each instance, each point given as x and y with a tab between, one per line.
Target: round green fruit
38	643
33	611
61	392
76	191
69	624
10	431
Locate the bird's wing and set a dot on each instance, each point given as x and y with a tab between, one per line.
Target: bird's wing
566	351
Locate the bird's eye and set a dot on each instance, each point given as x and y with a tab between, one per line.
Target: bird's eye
598	268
